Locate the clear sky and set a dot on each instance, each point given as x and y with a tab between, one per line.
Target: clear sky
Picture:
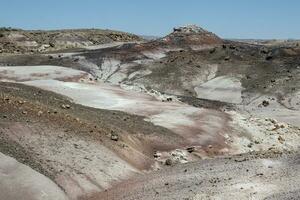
227	18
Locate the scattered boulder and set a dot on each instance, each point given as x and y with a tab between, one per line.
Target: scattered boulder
76	146
190	149
269	57
212	51
114	137
227	58
51	44
232	47
264	50
265	103
126	118
40	113
157	155
250	145
169	99
281	139
169	162
65	106
240	159
257	142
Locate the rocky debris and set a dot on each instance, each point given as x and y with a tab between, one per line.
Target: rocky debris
240	159
277	125
232	47
126	118
190	149
227	58
76	146
21	102
174	157
51	44
6	98
169	99
269	57
40	113
281	139
65	106
265	103
257	141
114	136
213	50
157	154
250	145
264	50
192	36
169	162
265	134
189	29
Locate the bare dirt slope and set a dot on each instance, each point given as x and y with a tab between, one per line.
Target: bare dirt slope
239	177
30	184
83	150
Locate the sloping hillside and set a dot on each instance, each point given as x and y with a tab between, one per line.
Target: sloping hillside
23	41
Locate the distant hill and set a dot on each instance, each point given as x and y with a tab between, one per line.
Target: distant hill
21	41
149	37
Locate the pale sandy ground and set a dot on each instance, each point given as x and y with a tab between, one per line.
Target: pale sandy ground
23	73
157	54
181	118
199	126
288	111
18	181
223	88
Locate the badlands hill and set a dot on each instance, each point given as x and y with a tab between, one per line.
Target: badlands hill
23	41
186	116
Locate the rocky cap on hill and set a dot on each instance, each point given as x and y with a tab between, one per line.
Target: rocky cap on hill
189	29
191	35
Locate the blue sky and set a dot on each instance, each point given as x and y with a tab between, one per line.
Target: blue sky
227	18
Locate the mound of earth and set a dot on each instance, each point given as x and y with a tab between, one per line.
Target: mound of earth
191	35
23	41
